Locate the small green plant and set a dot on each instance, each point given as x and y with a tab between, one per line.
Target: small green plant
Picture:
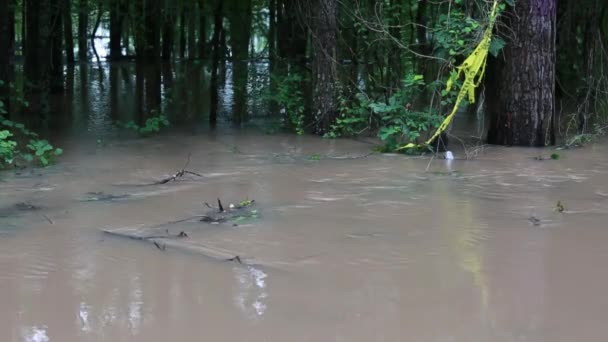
250	215
555	156
290	101
43	151
246	203
152	125
314	157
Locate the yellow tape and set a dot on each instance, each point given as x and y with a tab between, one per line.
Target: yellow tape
473	68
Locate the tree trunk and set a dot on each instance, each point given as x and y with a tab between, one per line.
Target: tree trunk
68	32
324	70
168	23
202	30
240	16
152	56
182	32
116	24
215	63
272	43
56	53
152	30
36	67
191	19
524	106
83	28
292	35
7	40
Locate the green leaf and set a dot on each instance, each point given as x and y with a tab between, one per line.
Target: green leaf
496	44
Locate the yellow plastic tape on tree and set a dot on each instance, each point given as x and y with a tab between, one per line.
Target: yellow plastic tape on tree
473	69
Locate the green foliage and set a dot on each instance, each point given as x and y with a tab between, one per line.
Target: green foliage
152	125
11	133
37	150
43	151
7	148
355	117
455	34
402	124
289	98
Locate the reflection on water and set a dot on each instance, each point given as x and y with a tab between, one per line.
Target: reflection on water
366	249
35	334
251	292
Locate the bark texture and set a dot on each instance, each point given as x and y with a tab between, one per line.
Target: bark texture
324	68
522	82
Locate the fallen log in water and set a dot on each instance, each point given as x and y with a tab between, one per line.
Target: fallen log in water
188	235
180	242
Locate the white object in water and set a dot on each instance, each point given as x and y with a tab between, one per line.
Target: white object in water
449	155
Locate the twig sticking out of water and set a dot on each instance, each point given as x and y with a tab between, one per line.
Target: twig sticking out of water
48	219
161	247
179	174
236	259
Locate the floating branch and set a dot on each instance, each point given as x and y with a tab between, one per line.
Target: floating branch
178	174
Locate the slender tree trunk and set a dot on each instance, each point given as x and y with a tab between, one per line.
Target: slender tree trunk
7	40
83	28
272	47
240	17
202	30
217	50
524	106
182	32
324	71
67	31
191	19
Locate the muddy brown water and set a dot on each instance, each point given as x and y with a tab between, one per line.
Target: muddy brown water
364	249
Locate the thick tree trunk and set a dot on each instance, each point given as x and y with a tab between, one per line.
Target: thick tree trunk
292	34
523	105
168	24
38	56
83	28
56	53
218	31
240	16
324	70
7	40
116	24
68	32
151	54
